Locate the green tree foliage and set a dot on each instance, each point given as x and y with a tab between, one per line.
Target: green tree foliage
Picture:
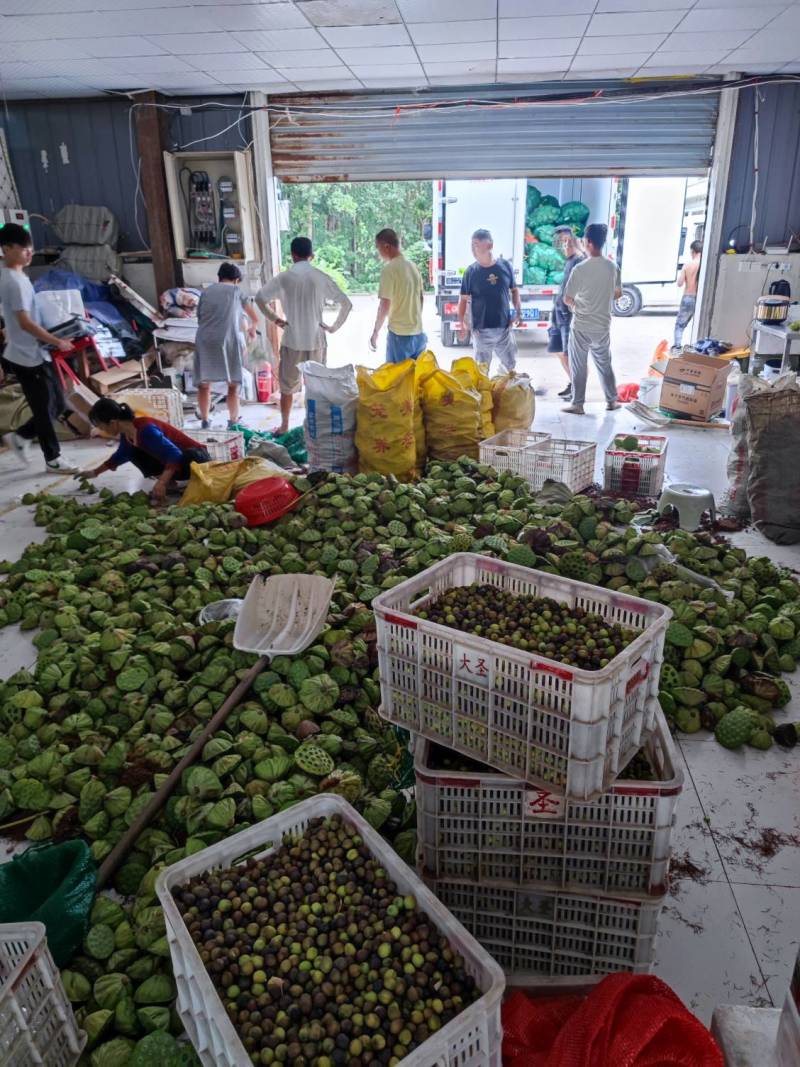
343	218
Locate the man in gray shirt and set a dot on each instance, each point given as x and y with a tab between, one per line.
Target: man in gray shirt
25	351
590	292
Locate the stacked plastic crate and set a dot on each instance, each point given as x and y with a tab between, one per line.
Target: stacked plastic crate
557	867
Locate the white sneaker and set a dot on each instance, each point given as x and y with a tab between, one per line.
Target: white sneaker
22	447
58	466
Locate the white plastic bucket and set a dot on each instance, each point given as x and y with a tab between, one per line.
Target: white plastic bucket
649	391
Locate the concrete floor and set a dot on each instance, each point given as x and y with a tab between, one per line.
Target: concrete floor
730	933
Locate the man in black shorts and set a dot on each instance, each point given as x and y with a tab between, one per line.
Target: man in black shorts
558	334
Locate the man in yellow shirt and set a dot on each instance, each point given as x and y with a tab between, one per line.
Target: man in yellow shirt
400	299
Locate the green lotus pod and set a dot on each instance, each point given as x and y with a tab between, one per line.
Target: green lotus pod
125	1019
96	1025
108	990
114	1053
99	941
153	1018
77	986
159	989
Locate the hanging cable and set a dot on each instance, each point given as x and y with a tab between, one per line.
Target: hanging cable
753	208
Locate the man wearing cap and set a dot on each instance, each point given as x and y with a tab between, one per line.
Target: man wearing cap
558	334
489	287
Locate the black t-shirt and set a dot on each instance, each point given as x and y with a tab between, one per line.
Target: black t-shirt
489	288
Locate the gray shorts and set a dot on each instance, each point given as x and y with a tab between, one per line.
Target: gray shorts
495	341
289	377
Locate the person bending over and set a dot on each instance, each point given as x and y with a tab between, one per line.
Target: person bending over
159	450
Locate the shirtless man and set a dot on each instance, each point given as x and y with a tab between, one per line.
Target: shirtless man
687	280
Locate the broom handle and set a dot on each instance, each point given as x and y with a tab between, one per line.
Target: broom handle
162	795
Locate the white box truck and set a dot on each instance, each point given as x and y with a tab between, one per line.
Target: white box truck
651	223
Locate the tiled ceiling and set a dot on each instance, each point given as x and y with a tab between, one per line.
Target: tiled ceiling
62	48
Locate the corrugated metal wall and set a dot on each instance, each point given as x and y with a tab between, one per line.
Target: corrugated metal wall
778	203
96	137
490	131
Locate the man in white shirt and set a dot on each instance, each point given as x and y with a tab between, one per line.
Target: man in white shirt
26	352
302	291
589	294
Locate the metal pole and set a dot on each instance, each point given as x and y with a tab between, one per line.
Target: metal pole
265	188
717	195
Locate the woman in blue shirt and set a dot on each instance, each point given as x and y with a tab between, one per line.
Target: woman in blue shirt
158	449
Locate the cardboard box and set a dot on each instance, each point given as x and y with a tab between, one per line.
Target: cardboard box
128	374
694	386
80	398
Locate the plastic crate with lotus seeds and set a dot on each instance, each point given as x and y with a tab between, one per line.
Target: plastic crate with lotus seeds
635	473
566	730
536	932
487	827
471	1039
37	1026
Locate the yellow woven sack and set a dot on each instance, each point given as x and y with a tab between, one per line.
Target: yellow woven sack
423	366
385	420
218	481
452	417
475	376
514	402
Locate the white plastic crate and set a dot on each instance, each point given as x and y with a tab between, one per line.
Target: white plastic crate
164	404
566	730
538	456
224	445
511	450
472	1039
570	462
487	827
635	473
37	1026
538	931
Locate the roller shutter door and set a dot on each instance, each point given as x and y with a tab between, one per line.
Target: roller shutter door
493	132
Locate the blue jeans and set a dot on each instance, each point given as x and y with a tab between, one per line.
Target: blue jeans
400	347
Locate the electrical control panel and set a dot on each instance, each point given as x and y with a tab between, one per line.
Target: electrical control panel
14	214
212	204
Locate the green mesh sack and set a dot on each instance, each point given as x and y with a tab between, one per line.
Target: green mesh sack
574	212
545	214
534	275
549	201
532	200
545	233
547	258
555	277
54	885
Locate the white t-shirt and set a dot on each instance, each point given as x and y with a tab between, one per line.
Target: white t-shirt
302	291
591	285
16	294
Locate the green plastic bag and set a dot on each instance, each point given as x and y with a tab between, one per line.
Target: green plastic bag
54	885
